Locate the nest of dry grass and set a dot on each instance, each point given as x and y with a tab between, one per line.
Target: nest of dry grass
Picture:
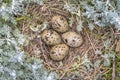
72	63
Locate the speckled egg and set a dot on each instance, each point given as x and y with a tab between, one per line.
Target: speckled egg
60	24
58	52
51	37
72	39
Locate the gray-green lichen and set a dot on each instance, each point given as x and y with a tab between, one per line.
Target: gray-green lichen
15	64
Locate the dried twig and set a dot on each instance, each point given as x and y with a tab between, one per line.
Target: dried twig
113	69
93	46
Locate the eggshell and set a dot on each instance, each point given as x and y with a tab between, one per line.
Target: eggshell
72	39
50	37
60	24
58	52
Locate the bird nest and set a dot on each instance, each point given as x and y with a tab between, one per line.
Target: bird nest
75	63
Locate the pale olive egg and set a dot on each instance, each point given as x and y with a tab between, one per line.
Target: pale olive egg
50	37
60	24
58	52
72	39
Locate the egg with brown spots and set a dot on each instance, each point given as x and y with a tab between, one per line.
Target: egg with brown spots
50	37
58	52
60	24
72	39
